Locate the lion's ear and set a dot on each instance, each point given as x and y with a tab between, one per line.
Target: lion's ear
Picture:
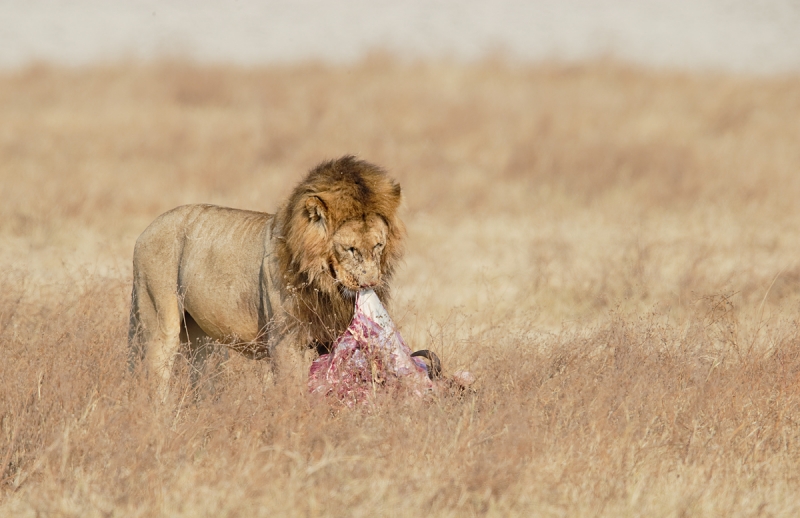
315	208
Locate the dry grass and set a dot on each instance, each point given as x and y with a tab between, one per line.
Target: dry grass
614	252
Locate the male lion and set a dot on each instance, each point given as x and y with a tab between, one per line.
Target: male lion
264	284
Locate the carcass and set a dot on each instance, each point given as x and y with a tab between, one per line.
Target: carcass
371	357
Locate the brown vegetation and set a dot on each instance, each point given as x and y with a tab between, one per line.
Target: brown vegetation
612	251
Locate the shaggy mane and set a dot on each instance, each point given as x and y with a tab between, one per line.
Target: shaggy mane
348	189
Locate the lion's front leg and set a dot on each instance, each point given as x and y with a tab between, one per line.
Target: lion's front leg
286	356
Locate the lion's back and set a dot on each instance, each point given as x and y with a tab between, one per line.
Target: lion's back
200	226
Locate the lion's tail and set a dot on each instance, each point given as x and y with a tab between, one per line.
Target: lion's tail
136	343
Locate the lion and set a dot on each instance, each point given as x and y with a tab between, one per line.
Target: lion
263	284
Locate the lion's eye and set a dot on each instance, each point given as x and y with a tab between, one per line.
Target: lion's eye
352	250
379	246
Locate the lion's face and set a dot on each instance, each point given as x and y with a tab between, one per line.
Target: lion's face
357	247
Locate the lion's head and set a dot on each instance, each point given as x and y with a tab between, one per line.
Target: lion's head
339	231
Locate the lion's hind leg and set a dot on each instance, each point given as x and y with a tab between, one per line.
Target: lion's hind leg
154	333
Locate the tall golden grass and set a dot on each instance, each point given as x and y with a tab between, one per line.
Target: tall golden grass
612	251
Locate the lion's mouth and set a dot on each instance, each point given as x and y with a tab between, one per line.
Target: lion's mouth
347	280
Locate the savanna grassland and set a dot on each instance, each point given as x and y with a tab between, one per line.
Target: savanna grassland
613	252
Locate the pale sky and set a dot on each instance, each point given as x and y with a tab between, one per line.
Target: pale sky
734	35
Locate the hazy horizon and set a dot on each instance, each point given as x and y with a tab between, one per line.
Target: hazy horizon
726	35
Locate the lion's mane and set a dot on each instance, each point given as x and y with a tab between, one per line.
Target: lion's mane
349	189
